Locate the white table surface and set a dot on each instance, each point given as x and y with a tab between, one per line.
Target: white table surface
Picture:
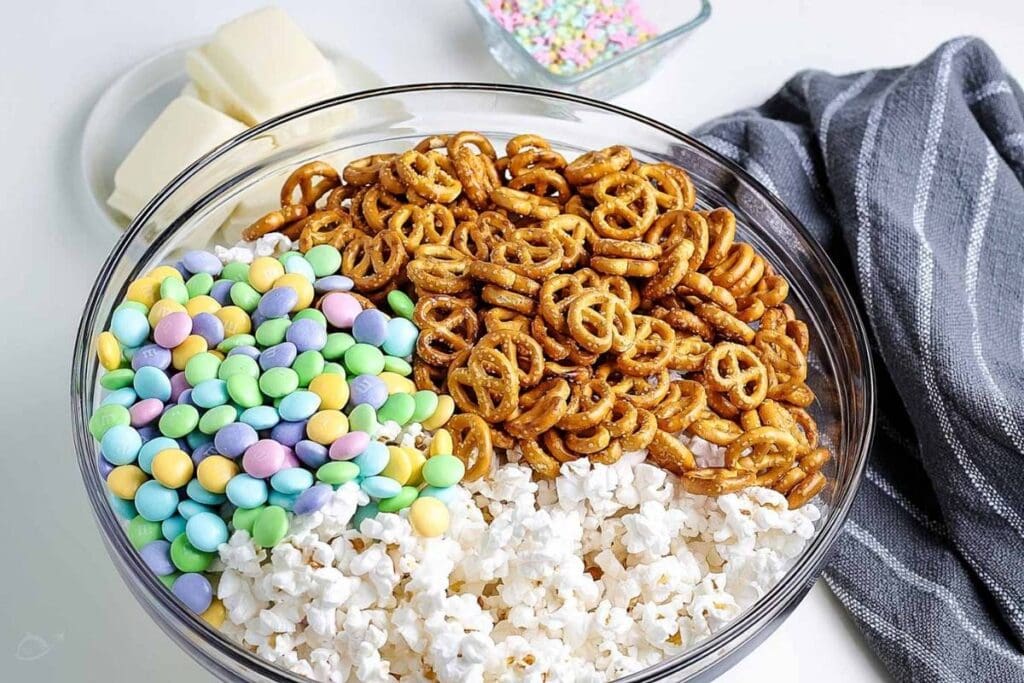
66	614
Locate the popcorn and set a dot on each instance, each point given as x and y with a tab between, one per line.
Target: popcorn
599	574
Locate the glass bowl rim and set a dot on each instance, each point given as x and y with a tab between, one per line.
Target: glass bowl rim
575	78
180	623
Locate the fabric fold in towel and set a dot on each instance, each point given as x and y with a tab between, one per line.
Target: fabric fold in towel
913	180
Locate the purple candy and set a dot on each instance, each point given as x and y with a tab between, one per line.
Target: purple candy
278	302
202	452
258	319
202	262
278	356
180	267
370	327
349	445
245	350
288	433
106	467
312	499
184	398
209	327
340	309
232	440
367	389
194	590
172	329
178	384
157	556
148	433
310	453
263	458
332	283
307	335
151	355
221	292
145	411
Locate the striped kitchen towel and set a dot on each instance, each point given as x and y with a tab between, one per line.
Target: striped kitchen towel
913	179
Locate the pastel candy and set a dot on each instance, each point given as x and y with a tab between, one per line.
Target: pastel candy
145	411
368	389
349	445
307	335
202	262
312	499
234	439
209	327
340	308
373	459
401	337
298	405
278	302
380	487
332	283
310	453
370	327
278	356
289	433
172	330
151	355
263	458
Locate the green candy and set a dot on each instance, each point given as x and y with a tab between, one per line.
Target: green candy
117	379
337	344
312	314
404	499
308	365
215	418
278	382
426	404
397	365
337	473
401	304
201	367
270	526
178	421
236	340
325	259
244	296
187	558
398	408
236	271
174	289
244	518
199	285
143	532
238	365
443	470
363	419
106	417
272	331
364	359
244	390
334	369
169	579
134	305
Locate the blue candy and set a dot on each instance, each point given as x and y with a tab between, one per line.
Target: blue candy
124	396
151	448
291	481
189	508
221	292
129	326
380	487
444	494
299	405
206	531
150	382
194	590
157	556
151	355
364	512
260	417
278	302
197	493
172	527
333	283
289	433
310	453
247	492
297	264
282	500
401	338
245	350
373	460
125	509
155	502
121	445
210	393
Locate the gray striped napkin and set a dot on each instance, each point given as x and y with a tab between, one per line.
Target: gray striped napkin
912	179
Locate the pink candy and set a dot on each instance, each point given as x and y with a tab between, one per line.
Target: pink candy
340	309
145	411
349	445
173	329
264	458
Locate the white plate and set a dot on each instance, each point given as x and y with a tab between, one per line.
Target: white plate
134	100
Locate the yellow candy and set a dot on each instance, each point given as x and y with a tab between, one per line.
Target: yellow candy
416	459
145	290
124	480
215	614
445	409
235	320
181	353
442	443
397	384
399	466
429	517
161	272
326	426
108	350
332	390
219	354
302	287
172	467
214	473
263	271
162	308
201	304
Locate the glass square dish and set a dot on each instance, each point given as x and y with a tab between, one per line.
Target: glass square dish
674	20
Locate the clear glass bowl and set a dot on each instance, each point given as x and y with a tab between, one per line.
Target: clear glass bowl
674	20
355	125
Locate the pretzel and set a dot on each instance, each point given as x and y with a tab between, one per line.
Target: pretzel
533	252
521	350
487	385
668	452
555	295
685	401
430	377
503	277
594	165
471	438
550	407
594	401
721	232
543	464
278	220
366	171
646	428
805	490
652	349
778	443
504	319
506	298
330	226
440	269
410	222
737	371
373	262
688	353
716	481
667	190
447	326
313	180
600	322
524	203
376	206
421	173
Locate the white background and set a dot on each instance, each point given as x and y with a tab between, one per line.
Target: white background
57	585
